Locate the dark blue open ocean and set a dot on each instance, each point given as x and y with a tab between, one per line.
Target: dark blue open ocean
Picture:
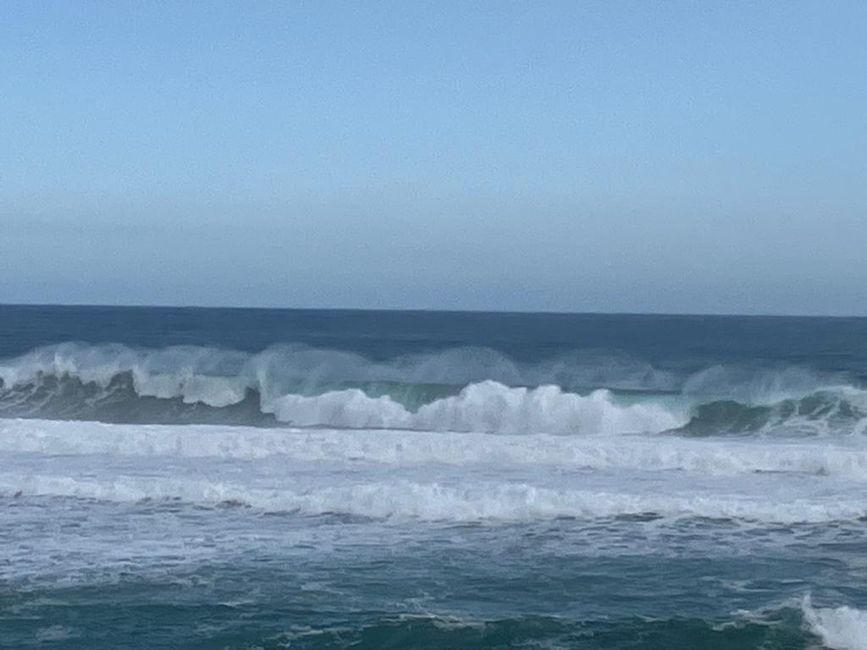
234	478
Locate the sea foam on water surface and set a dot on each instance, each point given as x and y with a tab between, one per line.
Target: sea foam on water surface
433	476
846	459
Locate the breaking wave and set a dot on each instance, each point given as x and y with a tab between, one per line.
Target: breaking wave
463	389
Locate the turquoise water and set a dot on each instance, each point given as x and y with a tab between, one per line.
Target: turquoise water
269	479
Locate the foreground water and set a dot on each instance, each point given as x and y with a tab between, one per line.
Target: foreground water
307	479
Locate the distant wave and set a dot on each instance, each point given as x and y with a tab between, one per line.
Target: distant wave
462	389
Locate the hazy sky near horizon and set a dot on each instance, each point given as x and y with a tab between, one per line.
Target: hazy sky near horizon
575	156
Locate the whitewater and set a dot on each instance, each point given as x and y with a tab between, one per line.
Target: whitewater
254	478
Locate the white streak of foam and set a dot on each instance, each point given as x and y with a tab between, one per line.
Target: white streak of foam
403	499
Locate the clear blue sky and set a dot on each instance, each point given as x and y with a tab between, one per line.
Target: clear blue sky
576	156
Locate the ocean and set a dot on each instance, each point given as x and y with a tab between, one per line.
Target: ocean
242	478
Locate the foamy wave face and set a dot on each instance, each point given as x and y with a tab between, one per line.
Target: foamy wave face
840	628
484	407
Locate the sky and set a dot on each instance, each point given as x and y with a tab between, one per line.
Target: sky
616	156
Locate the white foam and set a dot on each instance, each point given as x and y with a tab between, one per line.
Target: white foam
840	628
403	499
659	453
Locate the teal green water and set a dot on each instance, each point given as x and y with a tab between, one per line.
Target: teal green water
544	585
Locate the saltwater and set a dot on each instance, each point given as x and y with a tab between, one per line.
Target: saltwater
228	478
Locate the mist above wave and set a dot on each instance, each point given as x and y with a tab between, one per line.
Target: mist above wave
219	377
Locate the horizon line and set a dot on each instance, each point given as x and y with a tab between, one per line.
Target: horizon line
550	312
